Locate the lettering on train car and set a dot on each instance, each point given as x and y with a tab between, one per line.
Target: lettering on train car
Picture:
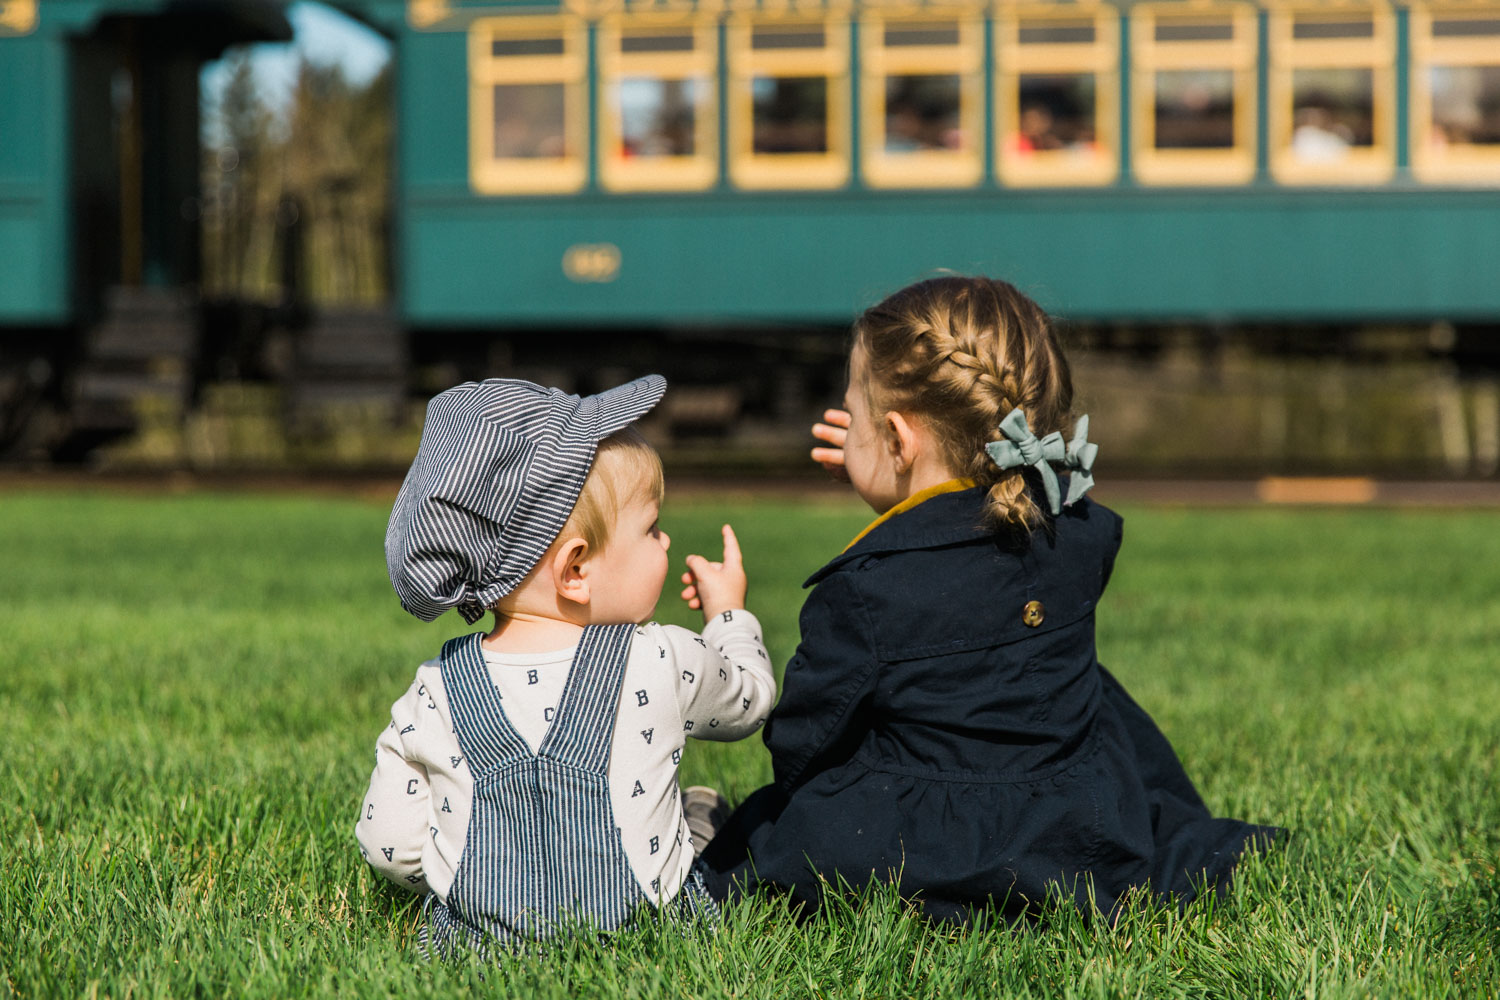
592	263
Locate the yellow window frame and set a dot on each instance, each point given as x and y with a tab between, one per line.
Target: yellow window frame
489	174
693	172
1014	59
17	17
1460	164
1234	165
1368	165
787	171
965	59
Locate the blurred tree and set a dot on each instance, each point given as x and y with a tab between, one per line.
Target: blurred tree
236	243
336	156
313	180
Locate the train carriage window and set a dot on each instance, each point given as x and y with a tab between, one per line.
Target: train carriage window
1057	102
658	128
1455	94
788	101
1194	110
922	103
528	127
1332	95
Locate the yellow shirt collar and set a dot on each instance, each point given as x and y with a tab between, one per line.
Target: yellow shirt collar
921	496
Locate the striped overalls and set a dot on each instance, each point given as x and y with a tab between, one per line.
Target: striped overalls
542	846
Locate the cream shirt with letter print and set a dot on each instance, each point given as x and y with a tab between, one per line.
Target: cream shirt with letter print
717	686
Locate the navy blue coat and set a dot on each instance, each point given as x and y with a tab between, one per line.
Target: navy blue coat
933	733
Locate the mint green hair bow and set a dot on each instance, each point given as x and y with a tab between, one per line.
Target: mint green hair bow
1080	461
1022	447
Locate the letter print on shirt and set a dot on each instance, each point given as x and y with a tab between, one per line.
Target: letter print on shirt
531	677
638	789
640	699
655	844
648	733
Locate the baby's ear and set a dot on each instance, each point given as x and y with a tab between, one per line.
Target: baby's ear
566	565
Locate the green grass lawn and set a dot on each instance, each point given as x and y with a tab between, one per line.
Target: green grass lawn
190	690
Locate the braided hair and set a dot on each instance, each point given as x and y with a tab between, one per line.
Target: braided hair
960	353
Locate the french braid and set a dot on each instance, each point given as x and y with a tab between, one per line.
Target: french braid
960	353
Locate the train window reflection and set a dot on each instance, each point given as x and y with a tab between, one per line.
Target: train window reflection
1057	112
1194	109
1465	106
1332	91
922	112
1057	99
788	101
1455	94
1333	111
528	105
659	117
791	114
1195	97
923	100
658	102
530	120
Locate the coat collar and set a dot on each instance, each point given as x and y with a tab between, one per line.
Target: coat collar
946	517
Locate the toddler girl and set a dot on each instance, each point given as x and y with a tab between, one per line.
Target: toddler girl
945	723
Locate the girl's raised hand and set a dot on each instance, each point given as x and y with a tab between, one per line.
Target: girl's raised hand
716	587
834	430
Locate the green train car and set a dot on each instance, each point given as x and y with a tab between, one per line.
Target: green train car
730	165
608	162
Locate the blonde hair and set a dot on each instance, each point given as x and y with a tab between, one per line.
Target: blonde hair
960	353
625	468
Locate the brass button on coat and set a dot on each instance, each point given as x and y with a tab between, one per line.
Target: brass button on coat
1033	613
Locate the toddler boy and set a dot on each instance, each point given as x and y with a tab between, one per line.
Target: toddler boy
529	775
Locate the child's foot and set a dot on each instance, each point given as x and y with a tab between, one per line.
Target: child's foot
705	810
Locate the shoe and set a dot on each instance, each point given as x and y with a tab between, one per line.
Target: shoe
706	811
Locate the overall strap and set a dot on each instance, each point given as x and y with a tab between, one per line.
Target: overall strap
585	721
484	733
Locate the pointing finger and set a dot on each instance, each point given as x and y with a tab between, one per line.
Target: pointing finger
732	555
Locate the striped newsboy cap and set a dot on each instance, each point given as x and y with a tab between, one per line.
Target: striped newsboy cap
496	476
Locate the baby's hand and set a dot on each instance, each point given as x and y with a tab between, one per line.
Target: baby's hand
834	431
716	587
